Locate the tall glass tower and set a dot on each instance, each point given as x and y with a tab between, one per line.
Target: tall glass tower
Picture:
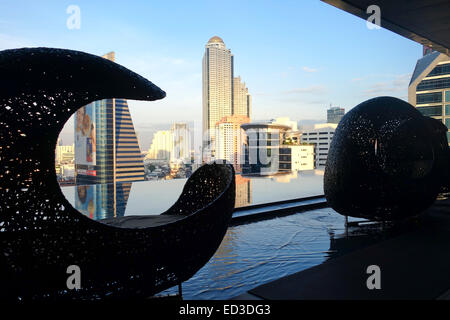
217	90
335	114
429	88
106	145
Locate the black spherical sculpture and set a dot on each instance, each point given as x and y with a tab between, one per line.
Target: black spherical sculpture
41	234
386	161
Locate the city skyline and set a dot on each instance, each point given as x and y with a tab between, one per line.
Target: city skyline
306	67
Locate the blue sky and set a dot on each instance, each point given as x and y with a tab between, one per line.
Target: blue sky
296	57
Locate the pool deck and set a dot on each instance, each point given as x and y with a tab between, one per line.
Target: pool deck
414	265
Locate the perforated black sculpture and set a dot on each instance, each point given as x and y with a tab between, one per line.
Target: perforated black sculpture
386	161
41	234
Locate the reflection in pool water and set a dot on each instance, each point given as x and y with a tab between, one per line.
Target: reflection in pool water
103	201
250	254
257	253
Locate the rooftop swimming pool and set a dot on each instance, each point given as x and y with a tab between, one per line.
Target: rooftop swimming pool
103	201
250	254
257	253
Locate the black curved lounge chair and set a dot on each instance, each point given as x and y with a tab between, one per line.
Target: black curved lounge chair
41	234
386	161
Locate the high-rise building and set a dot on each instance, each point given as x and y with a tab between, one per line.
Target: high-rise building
241	98
273	147
335	114
217	90
320	136
172	145
230	139
181	150
106	145
429	88
162	145
262	148
64	154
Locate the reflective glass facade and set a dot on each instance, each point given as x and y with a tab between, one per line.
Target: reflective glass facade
102	201
432	92
106	145
117	156
440	70
335	114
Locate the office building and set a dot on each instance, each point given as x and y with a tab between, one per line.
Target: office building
64	171
217	90
162	145
64	154
335	114
223	94
296	157
320	136
274	147
106	145
291	136
429	88
262	148
181	150
172	145
241	98
230	139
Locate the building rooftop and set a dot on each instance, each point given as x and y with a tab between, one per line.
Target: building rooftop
215	39
262	125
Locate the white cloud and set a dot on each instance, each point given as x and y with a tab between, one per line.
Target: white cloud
397	83
308	69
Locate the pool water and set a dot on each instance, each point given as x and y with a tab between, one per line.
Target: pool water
257	253
250	254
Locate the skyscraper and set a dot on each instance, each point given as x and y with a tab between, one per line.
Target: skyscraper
241	98
217	90
64	154
181	150
173	144
335	114
429	88
106	145
162	145
230	139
